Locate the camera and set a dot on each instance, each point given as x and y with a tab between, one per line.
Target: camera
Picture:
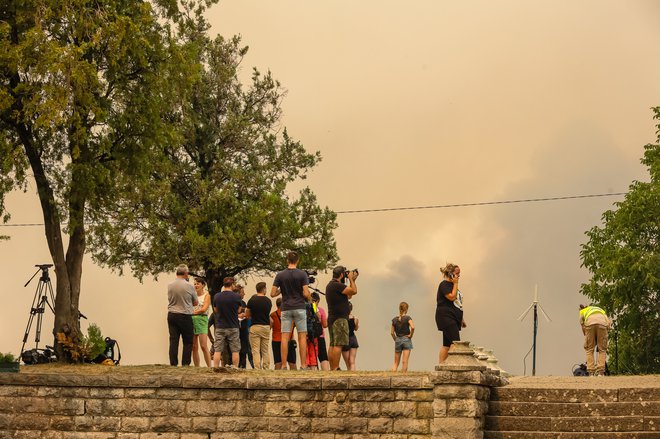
347	272
310	275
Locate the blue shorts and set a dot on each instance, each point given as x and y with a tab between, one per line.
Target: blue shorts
402	343
297	316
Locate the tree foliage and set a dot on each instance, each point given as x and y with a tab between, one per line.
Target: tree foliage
83	90
221	203
623	259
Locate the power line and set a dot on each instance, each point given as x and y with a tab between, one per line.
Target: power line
439	206
484	203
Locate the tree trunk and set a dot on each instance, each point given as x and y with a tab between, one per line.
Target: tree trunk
67	273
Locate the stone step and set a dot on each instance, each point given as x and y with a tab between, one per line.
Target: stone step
558	409
575	395
574	424
569	435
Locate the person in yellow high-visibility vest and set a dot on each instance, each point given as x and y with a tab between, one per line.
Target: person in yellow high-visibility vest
595	324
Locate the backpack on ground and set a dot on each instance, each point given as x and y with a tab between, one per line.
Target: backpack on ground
111	355
314	327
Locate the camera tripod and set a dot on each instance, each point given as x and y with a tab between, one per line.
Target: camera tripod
41	299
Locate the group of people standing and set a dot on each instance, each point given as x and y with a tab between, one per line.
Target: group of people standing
241	331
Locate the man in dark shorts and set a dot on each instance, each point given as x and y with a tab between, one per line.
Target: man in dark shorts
292	284
337	294
225	309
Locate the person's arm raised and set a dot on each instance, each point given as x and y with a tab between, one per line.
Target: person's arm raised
275	291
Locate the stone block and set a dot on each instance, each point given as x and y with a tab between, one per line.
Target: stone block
128	407
174	381
397	409
347	425
194	436
639	394
336	409
439	408
515	423
118	380
572	395
424	410
286	408
314	409
223	394
597	424
178	393
249	408
379	425
406	382
369	382
204	424
372	395
59	392
453	377
108	392
307	383
412	426
7	390
451	427
414	395
45	406
170	424
145	381
461	391
365	409
27	421
210	408
131	424
265	383
334	383
97	423
269	395
303	395
140	393
153	435
466	407
240	424
128	435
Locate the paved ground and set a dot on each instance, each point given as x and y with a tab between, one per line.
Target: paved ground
605	382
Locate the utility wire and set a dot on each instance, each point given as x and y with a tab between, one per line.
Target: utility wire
484	203
439	206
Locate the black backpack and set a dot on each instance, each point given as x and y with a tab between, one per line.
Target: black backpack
314	327
111	352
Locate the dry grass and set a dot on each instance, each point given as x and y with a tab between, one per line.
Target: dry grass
151	369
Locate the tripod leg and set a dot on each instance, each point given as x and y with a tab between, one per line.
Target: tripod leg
35	301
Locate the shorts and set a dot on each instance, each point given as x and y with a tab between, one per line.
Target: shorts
316	349
339	332
200	324
297	316
277	352
450	335
227	337
403	343
322	349
352	343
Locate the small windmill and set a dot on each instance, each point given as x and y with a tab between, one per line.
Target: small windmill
536	306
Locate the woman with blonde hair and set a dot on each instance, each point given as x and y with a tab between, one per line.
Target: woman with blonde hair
448	316
201	323
402	330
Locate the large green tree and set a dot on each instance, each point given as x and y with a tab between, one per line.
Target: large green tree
222	205
84	87
623	259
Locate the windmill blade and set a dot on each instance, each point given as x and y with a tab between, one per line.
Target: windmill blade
544	314
523	315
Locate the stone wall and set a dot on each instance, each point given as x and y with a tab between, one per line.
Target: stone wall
277	405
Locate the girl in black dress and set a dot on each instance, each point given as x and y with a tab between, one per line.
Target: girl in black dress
448	317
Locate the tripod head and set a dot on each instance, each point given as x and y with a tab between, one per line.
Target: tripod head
44	273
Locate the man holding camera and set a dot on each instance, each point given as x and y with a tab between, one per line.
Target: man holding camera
337	294
292	284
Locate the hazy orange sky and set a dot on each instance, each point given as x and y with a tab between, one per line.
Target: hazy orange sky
426	103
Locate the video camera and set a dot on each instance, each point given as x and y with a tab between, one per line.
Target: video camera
347	272
310	275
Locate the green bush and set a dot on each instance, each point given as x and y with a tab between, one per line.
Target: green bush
8	358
